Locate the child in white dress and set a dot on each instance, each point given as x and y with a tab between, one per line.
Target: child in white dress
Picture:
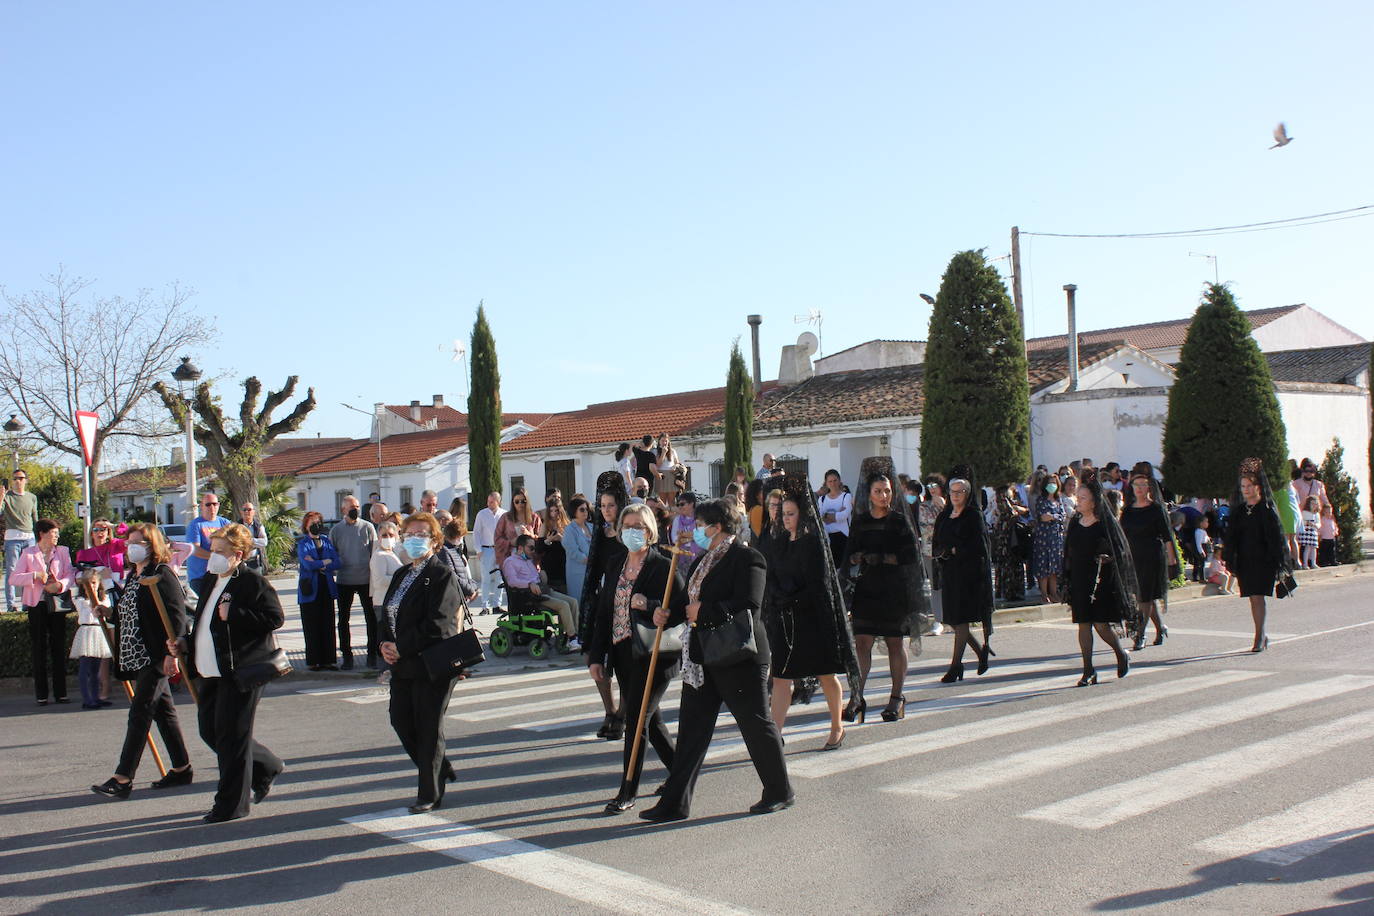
89	645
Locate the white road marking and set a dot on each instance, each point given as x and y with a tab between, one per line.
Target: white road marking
578	879
1353	626
1306	829
1179	631
967	732
1063	756
327	691
1116	803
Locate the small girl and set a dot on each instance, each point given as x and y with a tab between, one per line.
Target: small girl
89	645
1202	546
1308	536
1326	537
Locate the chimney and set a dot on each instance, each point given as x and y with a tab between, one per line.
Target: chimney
754	322
438	400
178	455
415	411
1071	289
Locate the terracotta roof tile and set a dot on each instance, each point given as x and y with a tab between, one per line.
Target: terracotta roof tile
1153	336
401	450
139	479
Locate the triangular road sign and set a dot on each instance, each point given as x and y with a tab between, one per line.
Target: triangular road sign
86	421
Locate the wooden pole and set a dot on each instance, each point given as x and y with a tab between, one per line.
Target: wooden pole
1016	282
152	582
653	664
128	691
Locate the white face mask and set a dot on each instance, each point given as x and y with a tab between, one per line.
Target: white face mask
218	564
387	543
137	553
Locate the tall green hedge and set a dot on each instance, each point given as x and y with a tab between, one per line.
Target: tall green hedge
15	654
1345	504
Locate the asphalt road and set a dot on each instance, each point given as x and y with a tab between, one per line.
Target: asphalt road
1209	780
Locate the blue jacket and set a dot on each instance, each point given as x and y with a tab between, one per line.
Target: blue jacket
312	568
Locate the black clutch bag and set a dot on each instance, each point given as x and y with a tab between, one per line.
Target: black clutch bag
728	644
1286	585
446	659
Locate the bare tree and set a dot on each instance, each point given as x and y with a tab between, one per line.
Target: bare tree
235	455
68	352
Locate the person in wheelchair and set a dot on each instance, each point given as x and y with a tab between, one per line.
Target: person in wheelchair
521	572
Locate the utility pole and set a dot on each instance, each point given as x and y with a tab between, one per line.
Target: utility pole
1016	282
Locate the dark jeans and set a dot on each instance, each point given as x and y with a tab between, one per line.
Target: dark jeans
418	706
839	543
152	702
631	673
744	690
226	725
1326	552
88	676
47	634
346	593
317	626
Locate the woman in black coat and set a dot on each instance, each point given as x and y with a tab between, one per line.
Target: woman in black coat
140	655
1145	522
421	610
604	551
235	616
724	582
1255	549
631	591
1098	577
960	545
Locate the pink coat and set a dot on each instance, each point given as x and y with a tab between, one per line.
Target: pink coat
31	561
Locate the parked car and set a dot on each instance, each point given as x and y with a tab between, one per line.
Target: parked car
173	532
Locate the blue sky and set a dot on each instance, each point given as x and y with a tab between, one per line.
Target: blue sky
623	182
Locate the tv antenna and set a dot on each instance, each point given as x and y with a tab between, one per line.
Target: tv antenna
812	317
1216	275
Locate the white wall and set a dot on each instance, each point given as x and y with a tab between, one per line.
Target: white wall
1313	417
1301	330
875	354
1124	425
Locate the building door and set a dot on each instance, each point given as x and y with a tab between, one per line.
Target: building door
560	475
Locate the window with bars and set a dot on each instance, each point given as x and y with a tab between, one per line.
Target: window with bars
560	475
720	478
791	464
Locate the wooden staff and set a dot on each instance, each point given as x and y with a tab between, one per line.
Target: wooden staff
653	664
152	582
114	653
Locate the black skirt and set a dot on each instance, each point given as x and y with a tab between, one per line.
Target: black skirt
802	640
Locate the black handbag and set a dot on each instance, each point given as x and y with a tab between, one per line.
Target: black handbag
444	660
1286	585
260	668
728	644
642	640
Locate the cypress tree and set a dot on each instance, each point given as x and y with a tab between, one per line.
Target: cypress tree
1371	431
1222	406
977	397
1345	504
739	416
484	415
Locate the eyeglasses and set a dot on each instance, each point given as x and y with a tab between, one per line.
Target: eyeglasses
209	504
20	477
518	502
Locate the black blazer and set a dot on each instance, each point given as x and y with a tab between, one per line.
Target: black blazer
149	621
652	580
254	612
428	615
734	586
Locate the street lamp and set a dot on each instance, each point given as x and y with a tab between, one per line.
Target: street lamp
188	374
14	426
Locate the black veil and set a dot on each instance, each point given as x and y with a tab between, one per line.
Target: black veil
612	482
976	506
1120	573
918	599
1147	470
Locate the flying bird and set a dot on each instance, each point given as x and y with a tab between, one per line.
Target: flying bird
1281	137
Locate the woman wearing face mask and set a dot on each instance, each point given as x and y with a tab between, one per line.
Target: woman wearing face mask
1047	538
317	593
420	610
141	656
632	589
381	568
235	616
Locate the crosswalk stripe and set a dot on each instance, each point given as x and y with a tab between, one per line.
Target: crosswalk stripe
1110	805
598	885
1063	755
968	732
463	698
1178	631
1303	830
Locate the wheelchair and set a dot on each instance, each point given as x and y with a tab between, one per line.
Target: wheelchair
526	622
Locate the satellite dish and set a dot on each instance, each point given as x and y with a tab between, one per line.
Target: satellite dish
808	343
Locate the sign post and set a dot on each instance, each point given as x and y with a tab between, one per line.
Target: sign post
86	423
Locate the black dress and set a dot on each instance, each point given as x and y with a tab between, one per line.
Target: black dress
958	544
1147	531
1254	548
880	594
801	629
1082	546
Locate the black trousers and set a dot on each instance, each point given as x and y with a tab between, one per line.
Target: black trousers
744	690
152	702
364	593
839	543
418	707
226	725
631	673
47	636
317	626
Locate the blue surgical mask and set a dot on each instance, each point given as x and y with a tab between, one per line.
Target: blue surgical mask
633	539
910	498
416	547
701	538
1051	488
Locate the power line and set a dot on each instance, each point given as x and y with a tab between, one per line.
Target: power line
1291	223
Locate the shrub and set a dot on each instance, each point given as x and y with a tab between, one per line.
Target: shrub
15	653
1345	504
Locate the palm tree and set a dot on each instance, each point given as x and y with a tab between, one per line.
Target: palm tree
279	514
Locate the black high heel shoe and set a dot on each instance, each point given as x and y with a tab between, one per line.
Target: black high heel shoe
113	788
1161	635
983	661
955	673
1089	678
1261	645
1139	643
895	709
1123	665
617	729
855	711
